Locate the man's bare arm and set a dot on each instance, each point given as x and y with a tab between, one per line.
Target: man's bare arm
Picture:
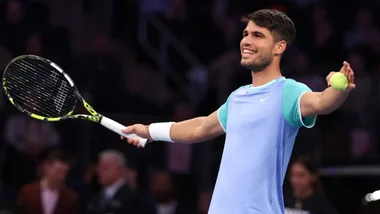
197	129
317	103
188	131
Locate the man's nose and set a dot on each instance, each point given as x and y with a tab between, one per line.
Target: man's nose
246	42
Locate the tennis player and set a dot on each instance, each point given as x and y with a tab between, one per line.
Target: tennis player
261	121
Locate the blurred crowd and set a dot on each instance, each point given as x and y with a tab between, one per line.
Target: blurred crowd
97	43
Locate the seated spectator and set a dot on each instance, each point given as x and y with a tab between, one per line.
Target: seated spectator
117	195
50	194
306	194
164	197
204	201
26	141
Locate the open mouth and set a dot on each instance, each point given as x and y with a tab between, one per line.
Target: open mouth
247	52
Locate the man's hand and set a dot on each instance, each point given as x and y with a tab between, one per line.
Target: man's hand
320	103
347	71
138	129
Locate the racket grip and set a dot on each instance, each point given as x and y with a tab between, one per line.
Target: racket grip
117	127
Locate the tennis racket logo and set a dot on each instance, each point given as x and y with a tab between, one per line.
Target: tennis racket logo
95	119
42	90
61	97
90	109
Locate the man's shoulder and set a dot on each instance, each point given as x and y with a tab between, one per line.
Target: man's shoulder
291	83
241	88
31	186
69	194
125	191
29	191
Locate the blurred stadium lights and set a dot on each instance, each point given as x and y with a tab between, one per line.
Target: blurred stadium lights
374	196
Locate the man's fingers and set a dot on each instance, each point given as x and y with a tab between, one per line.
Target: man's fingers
328	77
351	76
345	68
128	129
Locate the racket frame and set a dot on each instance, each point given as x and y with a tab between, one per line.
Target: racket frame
94	115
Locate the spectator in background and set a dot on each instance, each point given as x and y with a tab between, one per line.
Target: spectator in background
26	141
34	45
117	196
100	71
306	189
177	18
15	30
204	201
50	195
144	88
164	195
180	155
326	45
363	31
301	69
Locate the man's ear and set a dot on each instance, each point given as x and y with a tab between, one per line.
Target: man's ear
280	47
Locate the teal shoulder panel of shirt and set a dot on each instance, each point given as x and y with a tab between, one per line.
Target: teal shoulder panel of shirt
291	104
223	112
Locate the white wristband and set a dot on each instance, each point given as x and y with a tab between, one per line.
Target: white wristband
161	131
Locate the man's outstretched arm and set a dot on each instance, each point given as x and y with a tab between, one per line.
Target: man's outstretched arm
188	131
318	103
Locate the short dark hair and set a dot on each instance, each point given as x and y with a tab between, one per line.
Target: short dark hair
277	22
308	163
58	155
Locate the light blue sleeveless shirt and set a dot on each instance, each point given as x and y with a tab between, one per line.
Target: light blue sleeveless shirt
261	124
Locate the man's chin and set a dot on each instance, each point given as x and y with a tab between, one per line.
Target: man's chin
246	65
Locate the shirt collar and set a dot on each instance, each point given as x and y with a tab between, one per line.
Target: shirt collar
111	190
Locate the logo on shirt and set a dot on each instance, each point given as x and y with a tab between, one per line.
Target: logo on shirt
263	99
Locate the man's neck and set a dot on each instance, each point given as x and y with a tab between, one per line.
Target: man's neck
118	182
51	185
270	73
304	194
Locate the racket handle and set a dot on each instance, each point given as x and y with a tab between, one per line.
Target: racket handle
117	127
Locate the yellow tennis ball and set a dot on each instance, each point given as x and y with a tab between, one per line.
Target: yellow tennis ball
339	81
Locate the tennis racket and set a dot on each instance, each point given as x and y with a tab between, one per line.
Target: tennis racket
42	90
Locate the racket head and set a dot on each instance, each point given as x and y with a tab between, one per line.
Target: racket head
40	88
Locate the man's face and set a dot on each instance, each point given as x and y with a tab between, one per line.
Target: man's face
14	12
33	45
300	178
161	186
109	172
57	171
256	47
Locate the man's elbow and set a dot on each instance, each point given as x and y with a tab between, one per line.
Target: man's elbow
198	136
202	134
316	109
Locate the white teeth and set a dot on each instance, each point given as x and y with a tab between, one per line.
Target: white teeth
247	51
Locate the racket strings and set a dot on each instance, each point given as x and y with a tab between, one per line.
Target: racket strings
33	101
39	88
31	105
25	94
18	80
51	83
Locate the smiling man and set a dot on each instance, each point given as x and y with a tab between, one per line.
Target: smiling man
261	121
